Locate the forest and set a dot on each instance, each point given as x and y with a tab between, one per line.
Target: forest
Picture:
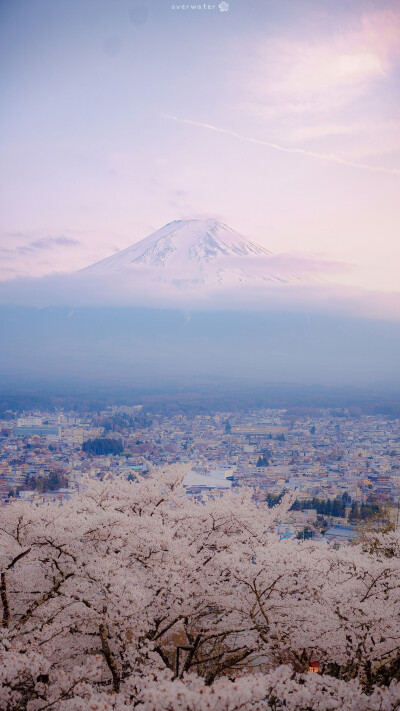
103	445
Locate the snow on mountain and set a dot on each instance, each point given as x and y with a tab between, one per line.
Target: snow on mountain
194	252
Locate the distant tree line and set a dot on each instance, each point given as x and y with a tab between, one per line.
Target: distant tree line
361	512
325	507
102	445
337	507
306	533
118	422
122	421
54	481
330	507
262	461
274	499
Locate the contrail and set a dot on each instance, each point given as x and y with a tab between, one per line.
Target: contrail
321	156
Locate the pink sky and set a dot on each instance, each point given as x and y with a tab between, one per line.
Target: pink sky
281	119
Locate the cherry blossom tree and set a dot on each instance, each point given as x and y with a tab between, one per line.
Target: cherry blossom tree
133	594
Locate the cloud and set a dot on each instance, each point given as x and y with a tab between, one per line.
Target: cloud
315	69
362	140
288	262
50	242
336	89
380	31
300	287
322	130
310	69
331	157
43	243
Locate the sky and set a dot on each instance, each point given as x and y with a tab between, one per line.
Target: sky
278	117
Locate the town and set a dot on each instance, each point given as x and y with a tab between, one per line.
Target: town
343	468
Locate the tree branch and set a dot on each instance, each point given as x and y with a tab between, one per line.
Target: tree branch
109	657
4	600
44	598
227	665
18	557
164	657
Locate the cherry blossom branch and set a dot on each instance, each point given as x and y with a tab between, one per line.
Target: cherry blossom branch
109	657
18	557
6	608
45	597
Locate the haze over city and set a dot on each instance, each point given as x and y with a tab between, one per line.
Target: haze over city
275	121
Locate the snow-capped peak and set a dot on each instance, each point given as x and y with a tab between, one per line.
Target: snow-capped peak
188	254
180	242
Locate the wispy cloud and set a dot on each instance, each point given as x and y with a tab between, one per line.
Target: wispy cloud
335	88
315	69
26	254
50	242
332	158
326	71
43	243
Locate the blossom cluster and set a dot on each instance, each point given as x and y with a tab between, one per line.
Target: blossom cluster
132	594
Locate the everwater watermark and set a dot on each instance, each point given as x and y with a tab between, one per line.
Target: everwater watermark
202	7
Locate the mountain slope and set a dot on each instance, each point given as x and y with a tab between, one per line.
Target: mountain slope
194	252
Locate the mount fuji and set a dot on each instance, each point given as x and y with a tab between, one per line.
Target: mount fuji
195	301
190	253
